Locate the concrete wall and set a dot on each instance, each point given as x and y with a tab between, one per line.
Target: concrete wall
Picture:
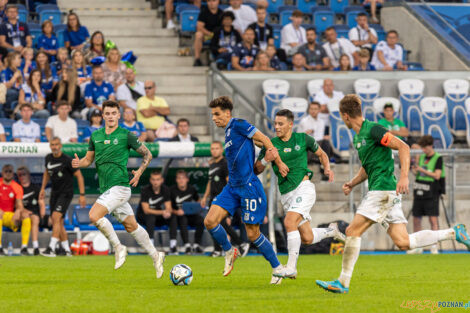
426	48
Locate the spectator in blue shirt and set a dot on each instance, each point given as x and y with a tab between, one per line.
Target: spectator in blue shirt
273	58
364	64
97	91
244	53
344	63
75	35
83	71
27	63
96	120
48	41
14	35
32	93
49	75
131	123
298	62
12	77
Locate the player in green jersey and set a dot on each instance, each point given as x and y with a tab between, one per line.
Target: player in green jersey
297	191
382	204
109	147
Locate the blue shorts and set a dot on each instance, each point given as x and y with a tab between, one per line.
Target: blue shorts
250	198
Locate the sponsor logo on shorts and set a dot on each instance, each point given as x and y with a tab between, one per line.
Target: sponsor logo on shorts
298	200
396	200
59	208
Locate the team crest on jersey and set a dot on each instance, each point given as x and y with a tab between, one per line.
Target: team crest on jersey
297	147
107	142
115	141
286	150
247	217
11	195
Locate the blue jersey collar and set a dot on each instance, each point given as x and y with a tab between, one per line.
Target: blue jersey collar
229	124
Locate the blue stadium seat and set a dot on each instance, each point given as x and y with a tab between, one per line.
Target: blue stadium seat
351	13
341	136
414	66
188	20
223	6
285	12
368	90
21	6
22	15
274	6
323	18
342	31
277	35
55	16
306	6
379	104
456	92
380	31
274	91
82	218
298	106
46	6
313	87
433	110
338	6
7	123
59	32
36	31
411	93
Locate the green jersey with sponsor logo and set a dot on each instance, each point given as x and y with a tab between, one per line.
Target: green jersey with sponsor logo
376	159
111	156
294	154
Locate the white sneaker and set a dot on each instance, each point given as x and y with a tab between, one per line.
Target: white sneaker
290	273
120	256
230	257
434	249
337	234
415	251
170	24
158	259
278	274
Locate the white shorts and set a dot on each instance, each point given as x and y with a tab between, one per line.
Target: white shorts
300	200
383	207
116	200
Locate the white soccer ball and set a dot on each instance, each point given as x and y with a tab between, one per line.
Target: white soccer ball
181	275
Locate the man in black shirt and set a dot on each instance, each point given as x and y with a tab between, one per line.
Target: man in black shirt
180	193
263	31
155	204
316	57
218	177
14	35
34	206
207	21
224	40
59	170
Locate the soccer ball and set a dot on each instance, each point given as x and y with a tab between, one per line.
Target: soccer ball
181	275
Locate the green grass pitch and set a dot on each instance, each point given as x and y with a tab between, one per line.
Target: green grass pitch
90	284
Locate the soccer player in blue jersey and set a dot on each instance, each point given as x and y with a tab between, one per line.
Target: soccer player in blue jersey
244	190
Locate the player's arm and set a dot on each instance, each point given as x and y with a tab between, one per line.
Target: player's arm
146	158
81	188
42	207
45	180
358	179
147	210
206	194
84	162
167	212
268	145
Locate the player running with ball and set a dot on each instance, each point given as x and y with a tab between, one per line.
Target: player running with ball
244	190
382	204
297	191
110	146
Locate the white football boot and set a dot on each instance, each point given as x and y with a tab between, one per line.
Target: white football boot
230	257
120	254
158	259
338	235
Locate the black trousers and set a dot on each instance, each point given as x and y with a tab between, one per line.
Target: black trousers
183	222
150	221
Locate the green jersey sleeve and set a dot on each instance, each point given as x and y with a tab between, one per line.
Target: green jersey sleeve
377	132
91	144
310	143
262	153
384	122
132	141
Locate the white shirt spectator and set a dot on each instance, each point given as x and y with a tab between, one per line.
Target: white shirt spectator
291	35
65	130
341	46
26	132
392	56
244	16
124	94
358	33
322	98
317	125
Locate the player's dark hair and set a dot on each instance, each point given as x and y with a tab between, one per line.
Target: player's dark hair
351	105
26	105
182	120
156	173
223	102
110	104
313	103
96	67
182	172
330	28
312	29
392	32
388	105
425	141
361	14
228	14
11	6
7	166
286	113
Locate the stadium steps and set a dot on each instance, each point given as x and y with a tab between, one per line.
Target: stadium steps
132	25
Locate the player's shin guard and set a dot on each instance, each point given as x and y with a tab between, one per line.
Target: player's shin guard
142	237
267	250
106	228
25	231
219	235
352	248
293	247
429	237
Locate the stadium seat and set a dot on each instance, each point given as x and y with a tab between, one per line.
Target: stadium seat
23	15
379	104
285	12
82	218
306	5
414	66
36	31
55	16
411	93
313	87
456	92
277	35
188	14
342	30
368	90
351	13
274	91
59	32
433	111
223	7
274	6
7	124
323	18
381	34
298	106
341	136
46	6
338	6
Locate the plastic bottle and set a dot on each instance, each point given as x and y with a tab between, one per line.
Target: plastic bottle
10	249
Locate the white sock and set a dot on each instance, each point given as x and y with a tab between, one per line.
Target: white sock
106	228
429	237
53	243
65	245
293	247
172	243
321	233
35	244
352	248
142	237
